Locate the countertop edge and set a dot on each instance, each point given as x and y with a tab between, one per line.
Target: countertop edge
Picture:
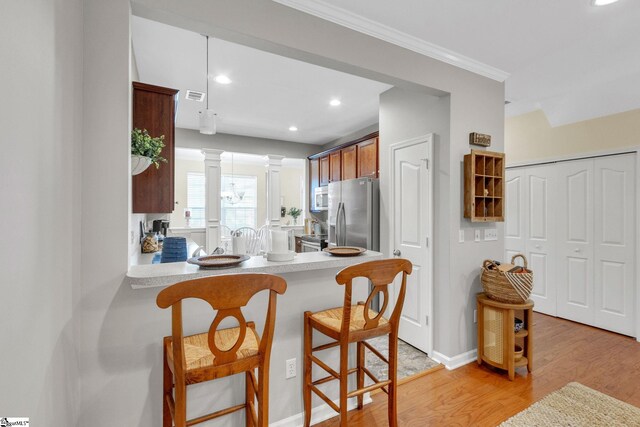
143	277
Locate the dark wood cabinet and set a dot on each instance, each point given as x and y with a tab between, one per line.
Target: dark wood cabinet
324	170
355	159
349	162
154	109
368	158
335	172
314	180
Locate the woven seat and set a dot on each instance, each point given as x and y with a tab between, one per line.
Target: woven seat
198	355
332	318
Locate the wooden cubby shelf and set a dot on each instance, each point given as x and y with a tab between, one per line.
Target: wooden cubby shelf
484	186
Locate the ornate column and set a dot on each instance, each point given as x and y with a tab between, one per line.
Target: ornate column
274	165
212	184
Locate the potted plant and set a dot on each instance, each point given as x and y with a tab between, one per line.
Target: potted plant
145	150
295	213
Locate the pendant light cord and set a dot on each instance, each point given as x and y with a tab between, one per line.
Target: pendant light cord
207	72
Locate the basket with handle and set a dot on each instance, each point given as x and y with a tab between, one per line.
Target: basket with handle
503	284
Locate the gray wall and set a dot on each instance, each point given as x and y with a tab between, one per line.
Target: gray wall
40	118
188	138
120	355
352	136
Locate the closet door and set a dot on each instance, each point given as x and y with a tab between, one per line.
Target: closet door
541	213
574	235
615	243
514	227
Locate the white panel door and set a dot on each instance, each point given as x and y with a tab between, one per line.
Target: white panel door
540	234
412	221
615	243
514	227
574	234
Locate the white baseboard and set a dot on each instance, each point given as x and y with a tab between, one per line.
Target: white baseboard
457	360
318	414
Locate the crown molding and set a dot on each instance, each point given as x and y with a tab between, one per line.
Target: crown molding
380	31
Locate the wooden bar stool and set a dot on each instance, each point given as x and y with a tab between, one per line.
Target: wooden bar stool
219	352
356	323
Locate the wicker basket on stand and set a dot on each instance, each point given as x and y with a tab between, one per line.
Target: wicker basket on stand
507	283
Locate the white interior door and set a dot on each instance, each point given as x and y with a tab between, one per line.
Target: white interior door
411	188
514	227
574	235
540	229
615	243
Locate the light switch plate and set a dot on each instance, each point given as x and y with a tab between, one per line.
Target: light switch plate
461	236
477	236
491	234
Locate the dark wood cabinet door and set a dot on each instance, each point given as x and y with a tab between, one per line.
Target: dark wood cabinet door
368	158
349	163
324	170
154	109
314	180
335	171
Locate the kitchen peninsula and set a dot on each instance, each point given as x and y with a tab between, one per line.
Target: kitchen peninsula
311	286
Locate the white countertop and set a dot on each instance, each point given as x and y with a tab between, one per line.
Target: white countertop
159	275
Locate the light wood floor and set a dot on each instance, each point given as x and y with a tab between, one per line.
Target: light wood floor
479	396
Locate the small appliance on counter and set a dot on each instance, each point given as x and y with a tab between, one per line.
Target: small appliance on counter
281	245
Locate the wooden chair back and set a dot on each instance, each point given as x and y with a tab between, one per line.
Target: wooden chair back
227	295
380	274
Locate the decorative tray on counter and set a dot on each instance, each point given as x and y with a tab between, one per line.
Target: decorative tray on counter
345	251
218	261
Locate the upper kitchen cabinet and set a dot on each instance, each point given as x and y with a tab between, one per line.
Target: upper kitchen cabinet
355	159
368	158
349	162
335	172
154	109
324	170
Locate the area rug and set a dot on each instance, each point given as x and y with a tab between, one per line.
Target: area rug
411	361
575	405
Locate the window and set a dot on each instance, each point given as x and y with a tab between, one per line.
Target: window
196	198
242	213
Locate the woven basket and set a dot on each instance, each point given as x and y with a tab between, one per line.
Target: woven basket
503	286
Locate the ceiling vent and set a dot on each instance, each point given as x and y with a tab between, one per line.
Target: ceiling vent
193	95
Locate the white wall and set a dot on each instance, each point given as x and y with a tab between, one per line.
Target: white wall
120	341
40	119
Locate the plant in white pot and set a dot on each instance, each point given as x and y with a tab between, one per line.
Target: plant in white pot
145	150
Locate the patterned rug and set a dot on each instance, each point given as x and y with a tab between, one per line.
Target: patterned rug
411	361
575	405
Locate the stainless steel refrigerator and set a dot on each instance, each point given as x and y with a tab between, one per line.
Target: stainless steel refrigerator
354	213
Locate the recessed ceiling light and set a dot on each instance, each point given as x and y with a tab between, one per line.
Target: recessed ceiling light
293	128
222	79
335	102
602	2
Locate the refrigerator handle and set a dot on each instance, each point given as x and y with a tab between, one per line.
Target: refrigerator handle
342	239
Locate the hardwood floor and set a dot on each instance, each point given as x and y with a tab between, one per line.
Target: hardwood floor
480	396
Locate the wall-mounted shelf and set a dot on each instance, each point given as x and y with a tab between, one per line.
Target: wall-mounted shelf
484	186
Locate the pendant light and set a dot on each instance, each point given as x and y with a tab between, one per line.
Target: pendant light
207	117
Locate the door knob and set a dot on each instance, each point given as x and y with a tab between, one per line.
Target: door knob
397	253
576	250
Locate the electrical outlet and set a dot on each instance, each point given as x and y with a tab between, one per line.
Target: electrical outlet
477	236
290	367
475	316
491	234
461	236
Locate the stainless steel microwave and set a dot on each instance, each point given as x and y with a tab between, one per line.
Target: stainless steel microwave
321	198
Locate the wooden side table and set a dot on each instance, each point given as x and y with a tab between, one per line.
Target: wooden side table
497	336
